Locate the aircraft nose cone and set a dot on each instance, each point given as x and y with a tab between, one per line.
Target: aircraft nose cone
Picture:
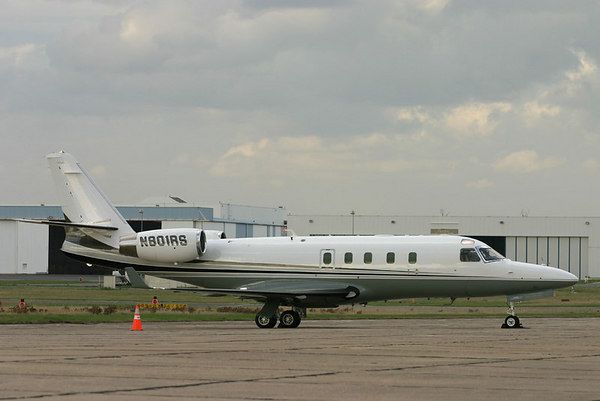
573	279
565	278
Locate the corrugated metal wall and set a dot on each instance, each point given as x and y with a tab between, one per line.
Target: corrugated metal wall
567	253
23	248
8	247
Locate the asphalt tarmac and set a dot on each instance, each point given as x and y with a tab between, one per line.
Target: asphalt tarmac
451	359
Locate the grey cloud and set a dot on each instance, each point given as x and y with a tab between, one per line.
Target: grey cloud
132	86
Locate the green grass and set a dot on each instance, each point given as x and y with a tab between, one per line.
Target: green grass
10	283
88	318
69	302
79	295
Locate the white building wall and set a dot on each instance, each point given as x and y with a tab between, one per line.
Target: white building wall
421	225
177	224
8	247
33	248
23	248
211	225
252	214
259	231
230	230
586	271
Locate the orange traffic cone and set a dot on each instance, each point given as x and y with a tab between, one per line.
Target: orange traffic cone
137	320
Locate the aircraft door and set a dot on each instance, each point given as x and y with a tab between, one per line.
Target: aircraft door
327	259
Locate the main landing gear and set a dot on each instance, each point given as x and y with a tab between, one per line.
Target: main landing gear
268	316
511	321
289	319
265	322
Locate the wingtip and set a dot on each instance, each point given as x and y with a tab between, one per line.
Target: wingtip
58	153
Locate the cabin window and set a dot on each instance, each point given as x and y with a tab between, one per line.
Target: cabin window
412	258
327	258
348	257
368	258
390	257
469	255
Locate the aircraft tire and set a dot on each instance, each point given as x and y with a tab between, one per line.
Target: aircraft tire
511	322
290	319
265	322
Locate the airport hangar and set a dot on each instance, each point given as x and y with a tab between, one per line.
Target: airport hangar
27	248
570	243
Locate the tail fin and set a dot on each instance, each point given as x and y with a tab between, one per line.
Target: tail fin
83	202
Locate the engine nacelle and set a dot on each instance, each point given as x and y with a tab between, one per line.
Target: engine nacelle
172	245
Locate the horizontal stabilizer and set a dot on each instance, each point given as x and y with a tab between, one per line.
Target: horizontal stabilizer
65	224
135	279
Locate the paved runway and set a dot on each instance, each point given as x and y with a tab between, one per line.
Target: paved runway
553	359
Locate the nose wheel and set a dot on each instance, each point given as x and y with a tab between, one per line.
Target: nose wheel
511	321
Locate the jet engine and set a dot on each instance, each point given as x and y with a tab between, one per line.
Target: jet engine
173	245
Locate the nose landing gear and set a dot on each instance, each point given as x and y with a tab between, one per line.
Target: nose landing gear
511	321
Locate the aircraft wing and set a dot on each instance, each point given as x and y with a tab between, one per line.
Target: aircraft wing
281	288
287	289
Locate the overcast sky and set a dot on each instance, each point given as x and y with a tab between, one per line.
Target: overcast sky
386	107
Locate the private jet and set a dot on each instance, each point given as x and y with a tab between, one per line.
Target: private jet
292	273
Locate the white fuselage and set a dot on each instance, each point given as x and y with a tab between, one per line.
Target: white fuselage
382	267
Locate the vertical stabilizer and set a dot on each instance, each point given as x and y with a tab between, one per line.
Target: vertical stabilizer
83	202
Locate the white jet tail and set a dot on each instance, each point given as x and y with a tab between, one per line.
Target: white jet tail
84	203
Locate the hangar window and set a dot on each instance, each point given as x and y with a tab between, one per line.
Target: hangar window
348	257
412	258
327	258
469	255
368	258
390	257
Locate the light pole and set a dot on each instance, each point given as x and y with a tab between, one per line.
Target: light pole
352	213
141	212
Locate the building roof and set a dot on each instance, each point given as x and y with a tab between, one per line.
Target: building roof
128	212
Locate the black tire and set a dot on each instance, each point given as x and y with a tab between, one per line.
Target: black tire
290	319
511	322
265	322
297	319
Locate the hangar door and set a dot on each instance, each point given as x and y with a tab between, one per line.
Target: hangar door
567	253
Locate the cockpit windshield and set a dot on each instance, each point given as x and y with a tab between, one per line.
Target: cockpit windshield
469	255
490	255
